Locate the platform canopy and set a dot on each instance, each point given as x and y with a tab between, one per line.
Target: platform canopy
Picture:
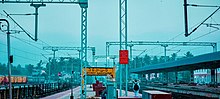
205	61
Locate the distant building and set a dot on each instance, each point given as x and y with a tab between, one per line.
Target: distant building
203	76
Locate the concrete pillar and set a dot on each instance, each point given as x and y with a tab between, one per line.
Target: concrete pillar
176	76
165	77
213	76
148	77
191	76
155	76
216	75
143	77
111	91
161	77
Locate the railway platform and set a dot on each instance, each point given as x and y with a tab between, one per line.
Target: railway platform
90	94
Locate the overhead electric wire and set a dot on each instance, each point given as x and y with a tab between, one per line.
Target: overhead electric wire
195	39
173	38
203	35
23	14
21	50
196	5
213	20
29	42
203	21
21	56
23	29
183	51
181	33
28	34
26	58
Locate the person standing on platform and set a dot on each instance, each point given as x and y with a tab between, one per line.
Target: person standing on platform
5	81
136	87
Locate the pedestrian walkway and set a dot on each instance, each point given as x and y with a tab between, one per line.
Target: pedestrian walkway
58	95
130	94
76	94
90	93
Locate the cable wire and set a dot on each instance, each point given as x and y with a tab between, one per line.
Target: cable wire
196	39
21	56
21	50
27	42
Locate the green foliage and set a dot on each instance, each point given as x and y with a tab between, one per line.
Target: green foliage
3	69
63	65
147	60
155	60
56	66
29	69
15	70
162	59
173	57
188	54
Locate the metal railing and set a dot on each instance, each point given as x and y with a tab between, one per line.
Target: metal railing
33	91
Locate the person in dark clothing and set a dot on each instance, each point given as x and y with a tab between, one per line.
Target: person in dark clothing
104	94
136	87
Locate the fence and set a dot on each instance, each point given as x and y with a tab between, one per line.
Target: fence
33	91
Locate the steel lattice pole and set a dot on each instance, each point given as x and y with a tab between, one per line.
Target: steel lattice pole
83	48
123	38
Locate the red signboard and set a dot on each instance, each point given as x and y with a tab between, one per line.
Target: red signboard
123	57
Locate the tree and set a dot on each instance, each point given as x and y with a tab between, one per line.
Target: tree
155	60
147	60
168	58
162	59
3	69
135	62
22	70
59	66
188	54
29	68
173	57
139	62
47	67
14	70
185	75
19	67
39	65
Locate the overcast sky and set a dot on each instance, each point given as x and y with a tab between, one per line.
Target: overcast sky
148	20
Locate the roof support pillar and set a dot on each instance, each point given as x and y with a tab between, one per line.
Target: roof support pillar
191	76
148	77
176	76
165	77
213	76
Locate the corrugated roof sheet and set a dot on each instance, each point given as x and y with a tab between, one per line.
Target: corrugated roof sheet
196	62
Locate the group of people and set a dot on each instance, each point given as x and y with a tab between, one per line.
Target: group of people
136	88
